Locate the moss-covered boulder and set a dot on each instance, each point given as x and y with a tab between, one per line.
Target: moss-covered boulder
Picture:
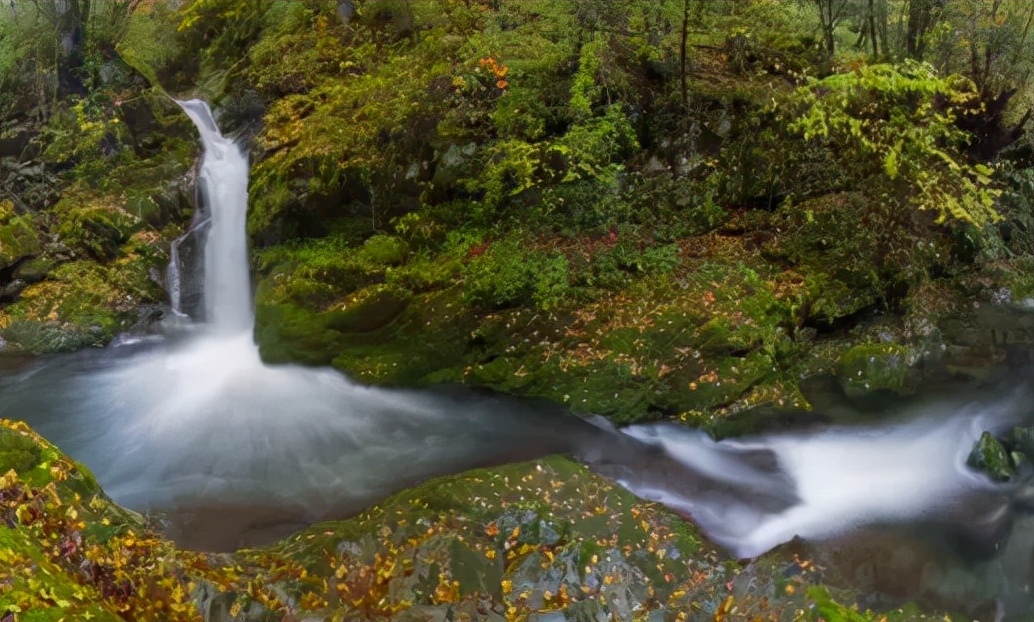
66	551
375	308
992	458
1004	457
19	236
870	367
83	303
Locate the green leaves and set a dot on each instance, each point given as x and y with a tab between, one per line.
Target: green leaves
895	125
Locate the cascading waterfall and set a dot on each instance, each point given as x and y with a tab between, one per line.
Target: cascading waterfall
203	430
224	186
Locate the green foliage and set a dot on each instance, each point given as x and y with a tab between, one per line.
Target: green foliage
508	273
99	229
894	126
85	134
19	236
988	42
149	41
221	30
586	90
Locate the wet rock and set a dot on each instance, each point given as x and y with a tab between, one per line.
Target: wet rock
542	540
990	457
872	367
1020	440
35	269
80	305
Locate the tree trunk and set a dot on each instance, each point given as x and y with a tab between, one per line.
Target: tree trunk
871	22
683	60
922	15
828	19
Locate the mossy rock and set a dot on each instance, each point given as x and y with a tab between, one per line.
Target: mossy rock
990	457
37	337
95	227
546	539
36	268
67	552
1021	440
871	367
19	239
18	452
80	304
1003	458
369	309
427	343
534	539
288	333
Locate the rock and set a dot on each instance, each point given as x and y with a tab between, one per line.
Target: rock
18	239
81	304
11	290
871	367
990	456
374	308
1020	440
345	11
541	540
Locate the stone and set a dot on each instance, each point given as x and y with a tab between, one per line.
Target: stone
990	457
18	240
870	367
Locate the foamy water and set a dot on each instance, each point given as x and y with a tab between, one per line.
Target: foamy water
843	477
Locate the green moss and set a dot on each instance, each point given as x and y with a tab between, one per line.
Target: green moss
288	333
19	238
383	250
369	309
81	304
527	524
871	367
18	452
99	229
1021	440
991	457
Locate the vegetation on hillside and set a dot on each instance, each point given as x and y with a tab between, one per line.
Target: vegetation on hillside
639	208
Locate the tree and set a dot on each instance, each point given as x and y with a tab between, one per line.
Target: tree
921	17
831	13
893	129
989	41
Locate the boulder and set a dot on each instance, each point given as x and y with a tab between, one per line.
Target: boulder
991	457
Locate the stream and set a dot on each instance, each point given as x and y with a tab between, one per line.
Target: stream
192	427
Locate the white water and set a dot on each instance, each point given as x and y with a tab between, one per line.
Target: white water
843	477
224	186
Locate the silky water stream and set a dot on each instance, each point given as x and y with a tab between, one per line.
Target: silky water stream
234	452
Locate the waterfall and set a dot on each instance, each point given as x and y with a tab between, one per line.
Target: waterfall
224	189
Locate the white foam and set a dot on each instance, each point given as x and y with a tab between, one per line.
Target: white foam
844	477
